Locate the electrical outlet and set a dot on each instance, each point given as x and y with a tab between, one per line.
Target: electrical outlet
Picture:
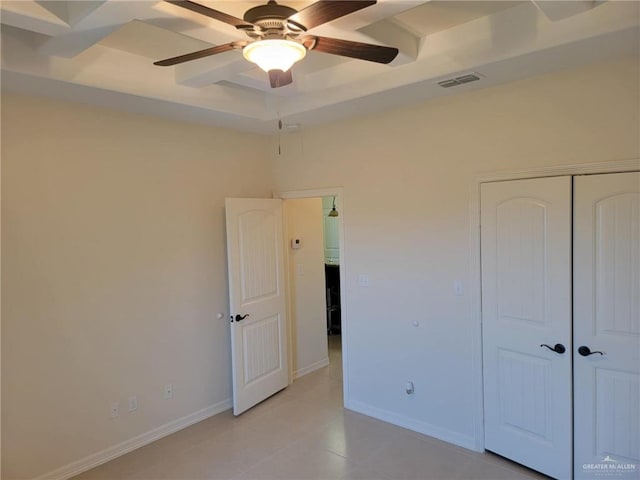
133	404
168	391
115	410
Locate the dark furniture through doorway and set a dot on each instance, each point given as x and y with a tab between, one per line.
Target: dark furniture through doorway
332	284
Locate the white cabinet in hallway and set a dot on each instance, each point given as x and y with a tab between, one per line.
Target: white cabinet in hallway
561	322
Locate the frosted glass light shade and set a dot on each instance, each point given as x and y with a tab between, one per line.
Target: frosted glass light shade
274	54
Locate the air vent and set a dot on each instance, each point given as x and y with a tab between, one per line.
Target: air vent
461	80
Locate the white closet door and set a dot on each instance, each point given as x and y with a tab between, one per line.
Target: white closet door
607	319
526	302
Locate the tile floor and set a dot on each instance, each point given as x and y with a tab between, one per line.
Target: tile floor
301	433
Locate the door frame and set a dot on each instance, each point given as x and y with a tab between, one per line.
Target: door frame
614	166
337	192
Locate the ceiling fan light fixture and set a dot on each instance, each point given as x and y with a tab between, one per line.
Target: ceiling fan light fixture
274	54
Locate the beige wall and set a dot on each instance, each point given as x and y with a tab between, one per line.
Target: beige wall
113	267
307	288
407	188
113	258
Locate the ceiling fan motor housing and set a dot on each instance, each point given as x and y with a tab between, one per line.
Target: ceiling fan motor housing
269	16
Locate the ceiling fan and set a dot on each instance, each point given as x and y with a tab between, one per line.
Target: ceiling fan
278	36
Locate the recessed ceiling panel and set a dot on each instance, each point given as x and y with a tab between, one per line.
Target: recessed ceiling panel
437	16
153	42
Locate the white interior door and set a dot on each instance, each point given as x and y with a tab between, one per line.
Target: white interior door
526	302
607	320
257	300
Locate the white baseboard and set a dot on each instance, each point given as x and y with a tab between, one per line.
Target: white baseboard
311	368
103	456
446	435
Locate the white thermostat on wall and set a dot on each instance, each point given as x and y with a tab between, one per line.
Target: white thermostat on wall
296	243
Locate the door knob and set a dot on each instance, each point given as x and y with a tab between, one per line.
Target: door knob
241	317
558	347
586	351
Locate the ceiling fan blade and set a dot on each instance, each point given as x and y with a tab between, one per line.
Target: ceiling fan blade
326	10
200	54
210	12
278	78
347	48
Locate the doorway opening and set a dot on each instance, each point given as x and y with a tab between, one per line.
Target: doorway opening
313	232
330	216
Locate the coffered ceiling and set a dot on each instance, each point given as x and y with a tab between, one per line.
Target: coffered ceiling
102	52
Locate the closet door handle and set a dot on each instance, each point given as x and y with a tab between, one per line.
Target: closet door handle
586	351
241	317
558	347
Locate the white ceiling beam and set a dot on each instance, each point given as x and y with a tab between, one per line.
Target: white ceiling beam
381	33
88	31
367	16
389	33
371	25
112	15
195	24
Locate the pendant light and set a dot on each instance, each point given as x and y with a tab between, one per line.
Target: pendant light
333	212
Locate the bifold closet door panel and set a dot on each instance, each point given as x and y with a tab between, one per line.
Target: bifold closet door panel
526	304
607	319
